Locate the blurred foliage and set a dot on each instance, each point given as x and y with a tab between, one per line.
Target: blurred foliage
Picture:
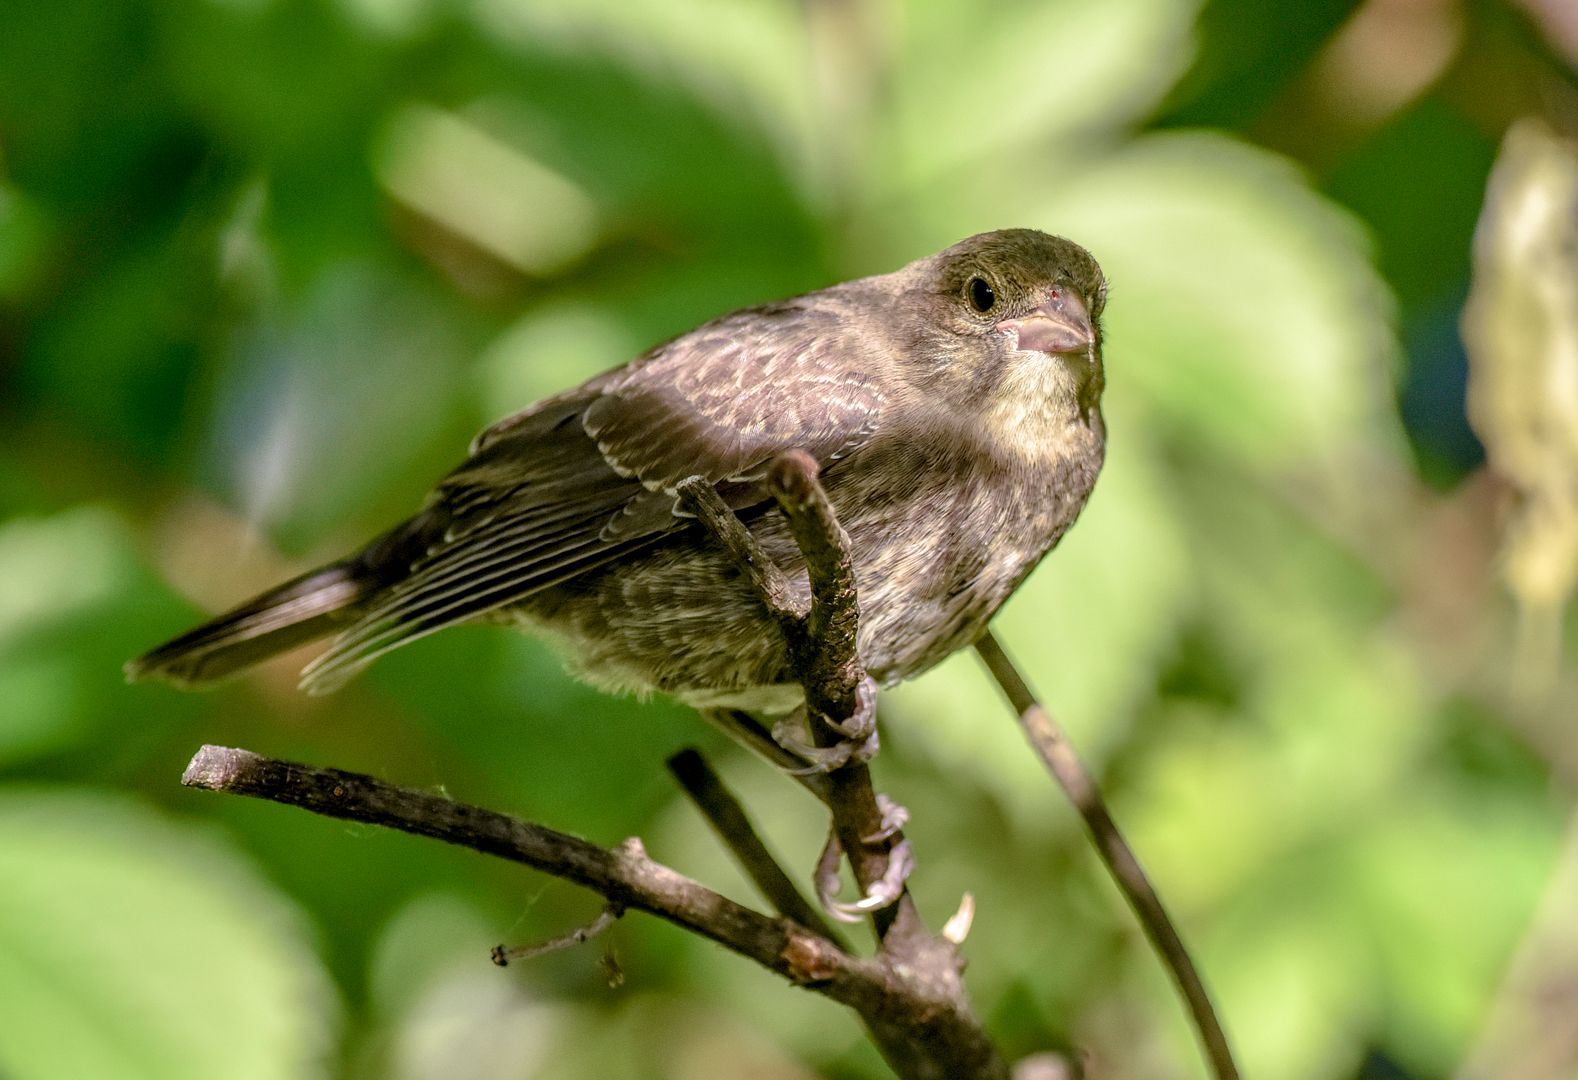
266	264
1521	323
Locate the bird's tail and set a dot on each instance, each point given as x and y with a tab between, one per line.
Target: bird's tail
316	604
301	610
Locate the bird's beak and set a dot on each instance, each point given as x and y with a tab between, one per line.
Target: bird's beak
1061	326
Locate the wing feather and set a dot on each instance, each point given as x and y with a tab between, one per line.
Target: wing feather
725	400
372	637
589	476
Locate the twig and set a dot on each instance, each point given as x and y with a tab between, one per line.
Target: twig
625	874
829	664
503	955
728	819
1066	768
744	728
822	649
915	1013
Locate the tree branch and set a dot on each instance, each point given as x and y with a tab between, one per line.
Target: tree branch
910	994
728	819
624	875
822	649
745	729
1063	762
916	1015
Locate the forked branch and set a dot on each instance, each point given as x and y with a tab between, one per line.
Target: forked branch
922	1028
822	647
909	994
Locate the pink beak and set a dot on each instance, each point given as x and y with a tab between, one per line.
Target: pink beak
1061	326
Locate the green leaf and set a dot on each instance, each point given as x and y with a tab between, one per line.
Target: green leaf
24	239
977	86
746	56
1243	305
74	605
134	947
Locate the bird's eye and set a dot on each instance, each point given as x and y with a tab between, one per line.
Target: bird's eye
981	295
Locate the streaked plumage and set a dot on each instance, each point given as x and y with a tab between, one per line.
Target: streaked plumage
957	445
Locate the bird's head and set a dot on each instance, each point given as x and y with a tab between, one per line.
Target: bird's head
1011	330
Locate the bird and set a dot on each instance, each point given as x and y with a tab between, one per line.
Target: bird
953	407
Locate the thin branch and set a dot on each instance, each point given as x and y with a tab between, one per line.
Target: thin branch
624	875
831	670
504	955
916	1015
728	819
822	648
766	576
1063	762
745	729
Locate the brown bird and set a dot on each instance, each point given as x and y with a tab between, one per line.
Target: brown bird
953	406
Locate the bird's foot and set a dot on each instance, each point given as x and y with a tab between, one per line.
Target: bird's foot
880	894
857	743
894	818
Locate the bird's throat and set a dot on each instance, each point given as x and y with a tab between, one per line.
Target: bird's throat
1046	409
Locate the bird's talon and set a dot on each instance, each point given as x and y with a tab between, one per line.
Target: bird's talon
786	733
857	742
819	759
894	818
843	912
826	874
861	724
881	894
821	766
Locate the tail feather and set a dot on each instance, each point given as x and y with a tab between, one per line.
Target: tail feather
316	604
302	610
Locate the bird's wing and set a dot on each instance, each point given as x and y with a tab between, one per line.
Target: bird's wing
727	398
589	476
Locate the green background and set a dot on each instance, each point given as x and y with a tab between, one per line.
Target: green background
265	265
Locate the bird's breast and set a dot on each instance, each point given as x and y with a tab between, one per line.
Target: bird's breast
941	536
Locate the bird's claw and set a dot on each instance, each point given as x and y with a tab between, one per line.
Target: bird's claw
861	726
826	874
881	894
894	818
818	759
857	742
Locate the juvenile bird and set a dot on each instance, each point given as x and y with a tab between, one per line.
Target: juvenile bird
953	406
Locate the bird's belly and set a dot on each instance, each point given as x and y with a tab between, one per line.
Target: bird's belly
933	561
930	589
